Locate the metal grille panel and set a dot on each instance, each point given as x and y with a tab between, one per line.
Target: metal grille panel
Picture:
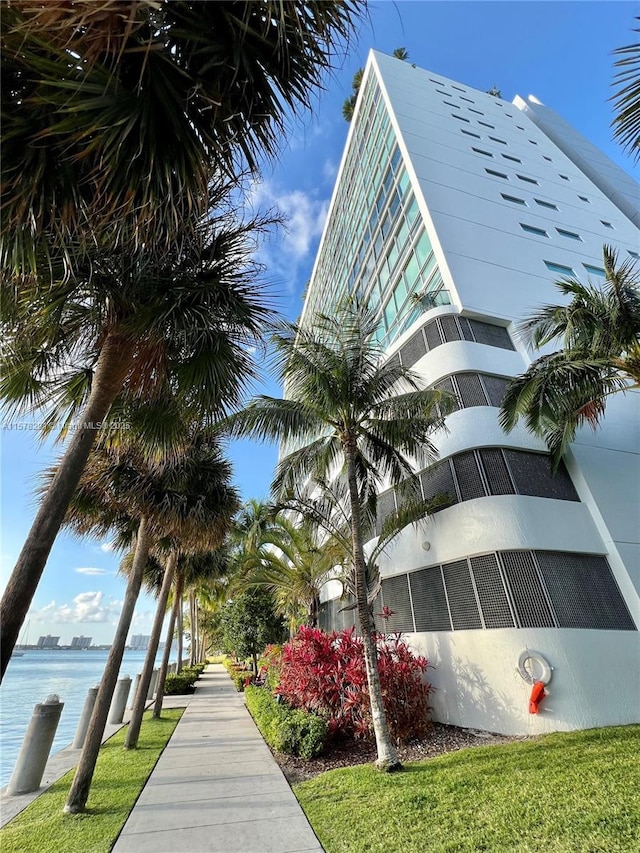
468	476
450	329
584	592
527	594
466	329
495	387
432	334
532	475
438	480
496	471
471	390
429	600
395	359
395	596
385	505
493	336
491	592
413	350
462	598
447	385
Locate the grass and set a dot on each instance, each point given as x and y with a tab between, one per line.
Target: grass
119	777
574	792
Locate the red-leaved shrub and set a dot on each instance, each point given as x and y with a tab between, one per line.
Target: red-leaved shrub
326	673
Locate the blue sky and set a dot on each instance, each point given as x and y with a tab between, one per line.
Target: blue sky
558	51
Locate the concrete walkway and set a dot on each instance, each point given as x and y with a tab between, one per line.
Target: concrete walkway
216	786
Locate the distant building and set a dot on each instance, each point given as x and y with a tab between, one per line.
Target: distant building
81	642
139	642
48	642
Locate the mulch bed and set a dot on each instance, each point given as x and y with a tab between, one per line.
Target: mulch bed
347	753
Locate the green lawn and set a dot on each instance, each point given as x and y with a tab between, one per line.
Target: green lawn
576	792
119	777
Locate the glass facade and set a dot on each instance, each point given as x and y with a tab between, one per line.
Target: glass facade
375	243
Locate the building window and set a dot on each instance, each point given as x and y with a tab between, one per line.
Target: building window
495	139
458	88
470	133
584	198
478	112
547	158
449	104
442	92
527	179
548	204
570	234
485	124
633	254
481	151
531	229
460	118
514	199
437	82
497	174
533	142
519	128
594	270
462	98
606	224
564	177
509	157
559	268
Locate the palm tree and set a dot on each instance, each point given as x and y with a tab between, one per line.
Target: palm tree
626	100
600	332
121	113
347	410
171	327
186	497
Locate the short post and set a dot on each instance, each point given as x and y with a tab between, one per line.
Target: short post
119	701
85	718
152	684
36	746
136	684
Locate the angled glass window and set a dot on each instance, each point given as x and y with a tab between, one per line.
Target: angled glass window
509	157
594	270
564	177
527	179
531	229
560	268
470	133
482	151
495	139
460	118
570	234
513	198
584	198
497	174
543	203
606	224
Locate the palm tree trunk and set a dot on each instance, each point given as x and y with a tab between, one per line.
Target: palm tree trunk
388	759
111	369
79	791
133	732
180	631
192	619
314	610
162	675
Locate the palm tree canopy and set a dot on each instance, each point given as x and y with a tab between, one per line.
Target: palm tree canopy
600	333
190	317
626	123
121	112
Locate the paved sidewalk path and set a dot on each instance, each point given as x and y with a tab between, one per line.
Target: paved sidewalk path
216	786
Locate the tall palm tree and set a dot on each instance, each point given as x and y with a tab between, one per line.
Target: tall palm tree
186	497
150	326
626	122
600	333
347	410
120	111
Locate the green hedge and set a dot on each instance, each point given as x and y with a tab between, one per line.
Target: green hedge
176	684
284	729
237	673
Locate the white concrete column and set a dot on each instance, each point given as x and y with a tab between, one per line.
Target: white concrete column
29	769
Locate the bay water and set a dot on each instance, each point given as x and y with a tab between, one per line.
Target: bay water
36	674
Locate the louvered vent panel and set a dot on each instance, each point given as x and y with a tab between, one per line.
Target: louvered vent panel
437	481
395	596
491	592
323	616
471	390
532	610
532	475
450	328
413	350
429	601
447	385
468	476
467	333
386	504
349	617
493	336
432	334
395	360
496	472
462	599
495	387
333	615
584	591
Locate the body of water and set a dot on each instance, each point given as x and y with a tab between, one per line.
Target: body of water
29	679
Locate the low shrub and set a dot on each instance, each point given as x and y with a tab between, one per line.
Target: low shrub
285	729
238	673
178	683
325	673
270	663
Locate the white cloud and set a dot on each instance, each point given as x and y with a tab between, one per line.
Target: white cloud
91	571
85	607
329	171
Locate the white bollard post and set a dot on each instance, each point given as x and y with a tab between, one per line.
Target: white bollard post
119	701
152	684
136	683
85	718
32	760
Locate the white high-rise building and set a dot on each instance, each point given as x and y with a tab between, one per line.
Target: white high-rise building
453	214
